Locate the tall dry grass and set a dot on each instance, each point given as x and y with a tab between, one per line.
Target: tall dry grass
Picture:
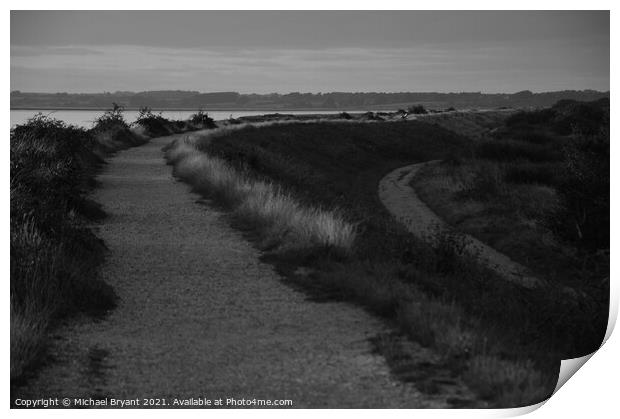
281	220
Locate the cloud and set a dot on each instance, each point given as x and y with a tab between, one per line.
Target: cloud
457	67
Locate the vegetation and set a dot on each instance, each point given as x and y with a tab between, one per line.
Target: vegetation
417	110
113	133
537	189
306	191
475	125
280	220
345	115
155	125
506	341
201	118
55	256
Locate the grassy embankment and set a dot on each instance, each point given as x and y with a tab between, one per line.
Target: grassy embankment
470	124
537	189
55	256
504	340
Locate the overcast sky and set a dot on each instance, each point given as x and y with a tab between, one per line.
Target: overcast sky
306	51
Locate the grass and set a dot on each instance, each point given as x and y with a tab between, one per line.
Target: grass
55	256
520	190
481	199
505	341
282	221
474	125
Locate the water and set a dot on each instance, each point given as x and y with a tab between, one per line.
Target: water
86	118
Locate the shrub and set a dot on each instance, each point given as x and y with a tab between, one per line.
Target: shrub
49	162
344	115
155	125
111	119
202	118
112	133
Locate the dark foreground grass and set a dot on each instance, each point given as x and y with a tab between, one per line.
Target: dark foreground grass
505	341
55	256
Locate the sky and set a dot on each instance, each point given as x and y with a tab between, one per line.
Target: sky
309	51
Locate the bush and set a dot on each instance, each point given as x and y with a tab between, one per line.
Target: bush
111	119
344	115
49	162
202	118
155	125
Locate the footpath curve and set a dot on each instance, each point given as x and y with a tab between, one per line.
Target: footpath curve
405	205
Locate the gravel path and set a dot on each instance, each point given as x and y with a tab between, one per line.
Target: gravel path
403	202
201	316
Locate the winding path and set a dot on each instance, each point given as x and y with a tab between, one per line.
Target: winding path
201	316
406	206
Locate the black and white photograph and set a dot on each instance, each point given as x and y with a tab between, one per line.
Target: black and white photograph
308	209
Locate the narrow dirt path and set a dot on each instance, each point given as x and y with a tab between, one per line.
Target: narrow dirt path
403	202
201	316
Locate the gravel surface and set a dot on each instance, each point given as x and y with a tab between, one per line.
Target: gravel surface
201	316
403	202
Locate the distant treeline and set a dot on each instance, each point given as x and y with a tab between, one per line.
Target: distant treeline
178	99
